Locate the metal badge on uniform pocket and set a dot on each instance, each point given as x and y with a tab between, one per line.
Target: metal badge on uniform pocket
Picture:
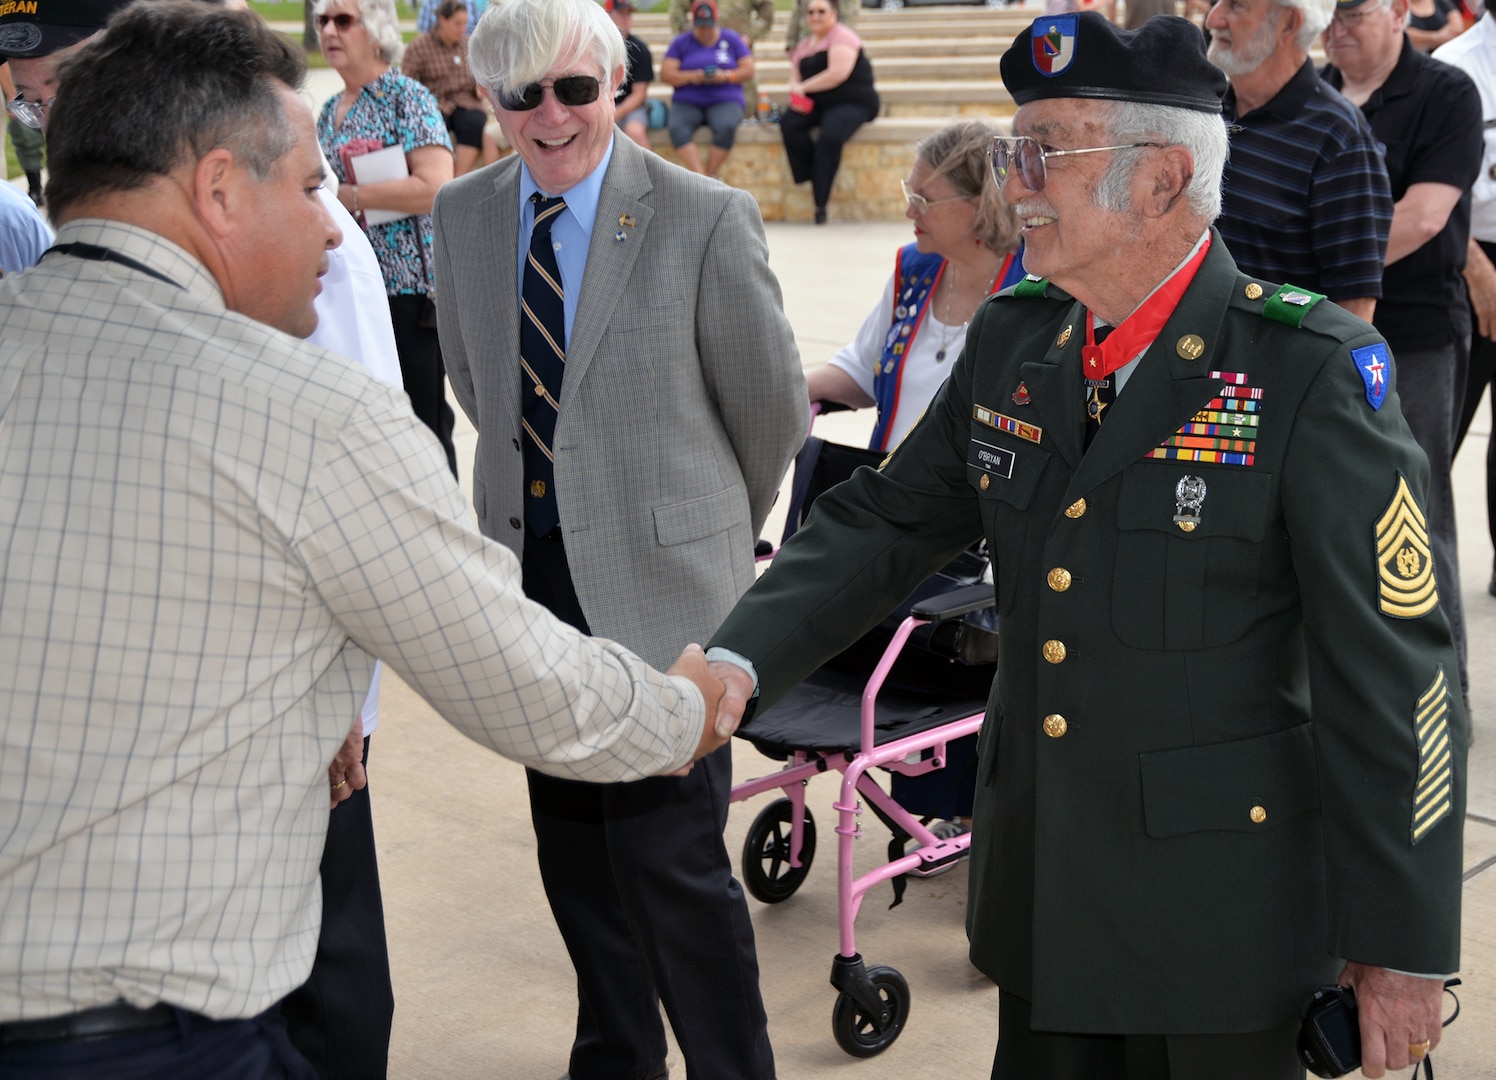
1189	496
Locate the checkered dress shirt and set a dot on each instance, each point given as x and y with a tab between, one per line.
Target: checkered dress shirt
209	527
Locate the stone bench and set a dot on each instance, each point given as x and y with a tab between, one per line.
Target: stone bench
879	155
908	98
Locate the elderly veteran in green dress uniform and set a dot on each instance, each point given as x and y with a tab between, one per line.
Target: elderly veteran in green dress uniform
1223	758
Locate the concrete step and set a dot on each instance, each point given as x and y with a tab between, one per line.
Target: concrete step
900	69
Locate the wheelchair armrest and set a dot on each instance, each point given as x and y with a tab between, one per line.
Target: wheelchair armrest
954	604
824	407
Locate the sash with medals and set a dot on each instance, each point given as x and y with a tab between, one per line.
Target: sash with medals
915	277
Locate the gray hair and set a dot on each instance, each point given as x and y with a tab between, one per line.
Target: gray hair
380	22
1202	134
958	153
518	41
1316	13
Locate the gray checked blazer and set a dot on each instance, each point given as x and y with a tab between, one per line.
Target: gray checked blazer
683	402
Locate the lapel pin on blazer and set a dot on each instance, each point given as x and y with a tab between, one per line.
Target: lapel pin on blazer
627	221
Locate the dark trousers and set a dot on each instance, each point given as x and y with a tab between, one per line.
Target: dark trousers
340	1018
641	887
422	370
1431	386
1025	1054
818	159
1478	374
253	1049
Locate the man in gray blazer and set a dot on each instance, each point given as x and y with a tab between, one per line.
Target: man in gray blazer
638	396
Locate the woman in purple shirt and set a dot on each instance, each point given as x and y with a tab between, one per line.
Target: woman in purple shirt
707	66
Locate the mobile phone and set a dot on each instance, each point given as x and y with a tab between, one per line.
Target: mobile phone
709	71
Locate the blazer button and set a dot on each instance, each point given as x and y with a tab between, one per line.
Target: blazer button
1076	509
514	523
1054	651
1055	726
1258	815
515	442
1059	579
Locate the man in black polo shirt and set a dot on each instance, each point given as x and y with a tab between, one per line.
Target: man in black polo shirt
1427	114
629	103
1305	197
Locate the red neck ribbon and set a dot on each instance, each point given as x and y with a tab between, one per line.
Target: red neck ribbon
1136	332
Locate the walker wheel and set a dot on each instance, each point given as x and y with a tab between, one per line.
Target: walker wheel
861	1034
767	873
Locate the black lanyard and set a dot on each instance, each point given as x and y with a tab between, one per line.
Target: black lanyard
95	253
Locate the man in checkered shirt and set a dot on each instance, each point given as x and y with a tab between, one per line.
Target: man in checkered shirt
210	531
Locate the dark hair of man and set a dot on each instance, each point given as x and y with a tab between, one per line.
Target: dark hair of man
166	84
450	7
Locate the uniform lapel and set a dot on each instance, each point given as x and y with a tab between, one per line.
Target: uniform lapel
1167	387
610	261
1053	387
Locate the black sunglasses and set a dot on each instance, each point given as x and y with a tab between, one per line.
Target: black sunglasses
569	90
342	20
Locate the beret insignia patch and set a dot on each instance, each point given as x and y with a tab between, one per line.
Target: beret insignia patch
1054	44
1406	588
1432	796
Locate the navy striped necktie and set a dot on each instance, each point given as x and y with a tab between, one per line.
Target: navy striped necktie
542	358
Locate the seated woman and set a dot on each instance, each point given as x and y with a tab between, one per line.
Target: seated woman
438	60
966	247
831	88
707	66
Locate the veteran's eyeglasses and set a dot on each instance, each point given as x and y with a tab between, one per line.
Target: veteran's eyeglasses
569	90
1030	157
921	205
342	20
31	113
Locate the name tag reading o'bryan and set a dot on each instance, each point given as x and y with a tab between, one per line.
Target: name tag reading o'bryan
990	459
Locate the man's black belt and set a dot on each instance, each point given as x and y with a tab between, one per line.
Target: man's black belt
96	1023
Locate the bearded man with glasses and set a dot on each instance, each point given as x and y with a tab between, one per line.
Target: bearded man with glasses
1222	762
612	328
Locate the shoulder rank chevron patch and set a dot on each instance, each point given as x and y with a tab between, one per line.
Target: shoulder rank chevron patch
1433	795
1406	588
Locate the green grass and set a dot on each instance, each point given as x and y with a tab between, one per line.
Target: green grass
291	10
12	166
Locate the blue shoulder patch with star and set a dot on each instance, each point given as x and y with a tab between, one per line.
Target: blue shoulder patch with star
1374	363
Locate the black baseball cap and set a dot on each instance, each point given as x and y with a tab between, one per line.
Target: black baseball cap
704	13
32	28
1086	55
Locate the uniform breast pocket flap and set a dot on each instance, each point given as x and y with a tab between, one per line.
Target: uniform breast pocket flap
998	469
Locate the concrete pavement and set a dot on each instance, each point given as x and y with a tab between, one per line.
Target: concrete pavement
483	985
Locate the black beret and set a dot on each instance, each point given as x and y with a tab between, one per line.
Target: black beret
32	28
1085	55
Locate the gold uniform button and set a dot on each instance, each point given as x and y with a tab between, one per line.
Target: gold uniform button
985	482
1076	509
1254	291
1258	815
1054	651
1055	726
1059	579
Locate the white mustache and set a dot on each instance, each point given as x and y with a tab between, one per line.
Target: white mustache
1031	208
